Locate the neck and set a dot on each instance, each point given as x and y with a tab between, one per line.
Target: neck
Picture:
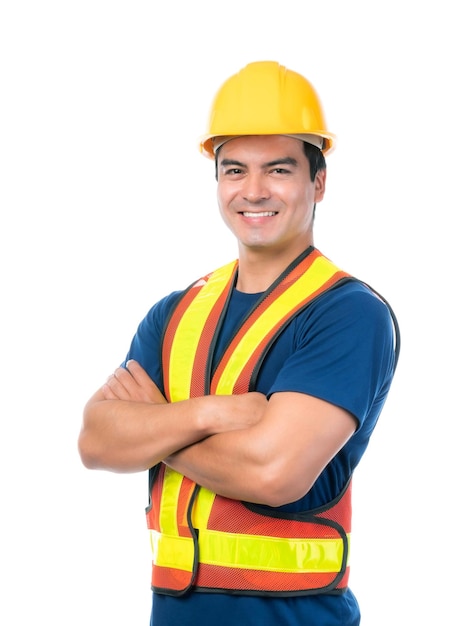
257	271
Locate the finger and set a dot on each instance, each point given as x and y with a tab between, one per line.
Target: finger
150	391
108	393
126	380
120	383
139	388
138	372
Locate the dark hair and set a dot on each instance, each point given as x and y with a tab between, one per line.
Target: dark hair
316	159
314	155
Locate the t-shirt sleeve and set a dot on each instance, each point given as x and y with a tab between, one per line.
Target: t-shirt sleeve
145	346
344	352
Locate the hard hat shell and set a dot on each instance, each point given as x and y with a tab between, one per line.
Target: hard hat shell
266	98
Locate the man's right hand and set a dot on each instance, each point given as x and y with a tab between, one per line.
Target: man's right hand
132	383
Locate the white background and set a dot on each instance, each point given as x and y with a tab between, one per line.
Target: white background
106	205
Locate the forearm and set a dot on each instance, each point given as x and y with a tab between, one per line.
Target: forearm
278	459
128	436
128	426
232	464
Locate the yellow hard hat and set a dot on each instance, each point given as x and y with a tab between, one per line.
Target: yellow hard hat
265	98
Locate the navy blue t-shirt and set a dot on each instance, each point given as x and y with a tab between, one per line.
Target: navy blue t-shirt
340	349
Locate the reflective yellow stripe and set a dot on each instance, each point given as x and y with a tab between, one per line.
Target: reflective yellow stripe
169	501
253	552
270	554
203	508
189	330
171	550
175	552
313	278
154	538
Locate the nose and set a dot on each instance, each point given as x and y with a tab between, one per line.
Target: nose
255	188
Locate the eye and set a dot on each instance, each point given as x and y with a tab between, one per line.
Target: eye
233	173
281	171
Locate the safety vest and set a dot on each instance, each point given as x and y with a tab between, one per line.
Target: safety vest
207	542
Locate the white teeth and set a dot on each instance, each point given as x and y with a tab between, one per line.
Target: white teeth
263	214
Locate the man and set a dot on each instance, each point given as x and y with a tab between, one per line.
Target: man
251	396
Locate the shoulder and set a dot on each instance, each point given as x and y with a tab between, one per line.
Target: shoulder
354	293
343	349
146	342
155	318
353	307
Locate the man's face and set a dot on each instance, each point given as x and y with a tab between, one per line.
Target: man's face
265	194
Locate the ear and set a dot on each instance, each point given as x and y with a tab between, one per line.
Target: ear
320	184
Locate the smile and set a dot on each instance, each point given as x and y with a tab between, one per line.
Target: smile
260	214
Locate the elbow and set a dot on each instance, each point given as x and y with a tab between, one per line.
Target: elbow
93	445
88	460
88	452
282	496
279	487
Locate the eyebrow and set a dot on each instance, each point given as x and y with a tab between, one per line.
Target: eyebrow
280	161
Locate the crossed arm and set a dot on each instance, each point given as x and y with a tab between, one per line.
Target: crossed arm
239	446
